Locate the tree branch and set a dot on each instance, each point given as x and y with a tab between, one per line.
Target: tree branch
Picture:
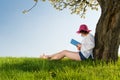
25	11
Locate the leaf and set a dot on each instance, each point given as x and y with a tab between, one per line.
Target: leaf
43	0
36	0
25	11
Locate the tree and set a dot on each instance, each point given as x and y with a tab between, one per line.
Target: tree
107	36
108	31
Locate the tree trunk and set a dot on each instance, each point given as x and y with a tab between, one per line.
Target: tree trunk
107	36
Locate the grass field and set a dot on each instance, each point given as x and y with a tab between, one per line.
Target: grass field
38	69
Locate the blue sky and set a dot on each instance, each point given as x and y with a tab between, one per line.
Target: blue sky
42	30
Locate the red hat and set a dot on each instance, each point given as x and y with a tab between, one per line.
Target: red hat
83	27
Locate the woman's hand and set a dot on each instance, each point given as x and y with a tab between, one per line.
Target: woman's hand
79	46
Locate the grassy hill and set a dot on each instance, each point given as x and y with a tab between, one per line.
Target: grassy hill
38	69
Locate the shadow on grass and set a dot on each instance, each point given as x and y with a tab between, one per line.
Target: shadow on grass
32	65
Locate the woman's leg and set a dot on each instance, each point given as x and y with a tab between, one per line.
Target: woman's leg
65	53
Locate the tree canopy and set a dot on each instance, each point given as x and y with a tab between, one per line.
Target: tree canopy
78	7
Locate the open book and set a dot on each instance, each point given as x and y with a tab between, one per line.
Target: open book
74	42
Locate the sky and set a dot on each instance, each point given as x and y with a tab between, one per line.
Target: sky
42	30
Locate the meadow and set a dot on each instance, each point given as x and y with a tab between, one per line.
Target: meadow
39	69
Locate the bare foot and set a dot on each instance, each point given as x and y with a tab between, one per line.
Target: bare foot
44	56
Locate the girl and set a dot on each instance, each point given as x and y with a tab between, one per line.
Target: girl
85	48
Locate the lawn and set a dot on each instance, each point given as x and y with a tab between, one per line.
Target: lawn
39	69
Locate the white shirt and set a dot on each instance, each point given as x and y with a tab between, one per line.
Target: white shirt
87	45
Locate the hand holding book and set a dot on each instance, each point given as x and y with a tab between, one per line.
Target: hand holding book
79	46
76	43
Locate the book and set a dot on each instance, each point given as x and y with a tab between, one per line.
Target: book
74	42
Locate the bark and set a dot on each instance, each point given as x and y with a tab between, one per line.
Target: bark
107	36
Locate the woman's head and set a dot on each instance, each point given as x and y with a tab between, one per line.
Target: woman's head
83	30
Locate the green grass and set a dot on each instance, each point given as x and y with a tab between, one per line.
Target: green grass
38	69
